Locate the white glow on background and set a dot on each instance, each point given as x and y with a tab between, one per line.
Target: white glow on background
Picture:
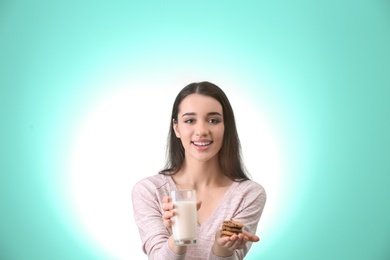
123	139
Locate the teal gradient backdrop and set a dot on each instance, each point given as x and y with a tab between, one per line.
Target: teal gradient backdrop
318	70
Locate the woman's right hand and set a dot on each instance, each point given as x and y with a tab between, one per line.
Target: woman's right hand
167	207
168	213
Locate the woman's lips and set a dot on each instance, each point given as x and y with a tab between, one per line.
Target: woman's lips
201	146
202	143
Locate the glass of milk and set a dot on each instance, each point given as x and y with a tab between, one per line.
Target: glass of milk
185	220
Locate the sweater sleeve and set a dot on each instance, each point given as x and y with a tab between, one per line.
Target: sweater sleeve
148	217
253	198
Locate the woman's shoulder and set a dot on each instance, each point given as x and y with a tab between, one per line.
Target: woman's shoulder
151	183
250	186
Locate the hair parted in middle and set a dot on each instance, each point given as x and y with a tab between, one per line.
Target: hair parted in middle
229	157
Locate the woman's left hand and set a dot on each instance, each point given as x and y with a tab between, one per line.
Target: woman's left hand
225	246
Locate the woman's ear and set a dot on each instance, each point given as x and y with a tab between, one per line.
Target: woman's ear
175	128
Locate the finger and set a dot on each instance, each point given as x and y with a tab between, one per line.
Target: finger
168	214
238	243
222	239
242	240
253	238
167	206
166	199
244	237
228	243
167	219
167	223
234	237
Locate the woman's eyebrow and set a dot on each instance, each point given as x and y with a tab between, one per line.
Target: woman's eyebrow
214	114
188	114
209	114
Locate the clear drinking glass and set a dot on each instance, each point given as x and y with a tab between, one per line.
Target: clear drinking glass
185	220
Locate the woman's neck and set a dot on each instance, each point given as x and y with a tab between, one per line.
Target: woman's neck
199	175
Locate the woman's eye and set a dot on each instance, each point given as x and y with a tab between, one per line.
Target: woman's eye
214	121
189	121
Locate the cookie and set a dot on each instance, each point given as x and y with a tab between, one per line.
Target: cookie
230	228
231	223
227	233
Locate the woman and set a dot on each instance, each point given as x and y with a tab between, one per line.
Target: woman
204	155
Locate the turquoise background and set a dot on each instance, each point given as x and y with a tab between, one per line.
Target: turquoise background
329	62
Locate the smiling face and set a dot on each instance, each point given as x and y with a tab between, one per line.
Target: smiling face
200	127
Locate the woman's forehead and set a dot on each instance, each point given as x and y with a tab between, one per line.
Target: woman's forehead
197	103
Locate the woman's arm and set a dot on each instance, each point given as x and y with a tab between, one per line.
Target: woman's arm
157	239
253	199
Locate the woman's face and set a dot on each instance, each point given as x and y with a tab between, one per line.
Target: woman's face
200	127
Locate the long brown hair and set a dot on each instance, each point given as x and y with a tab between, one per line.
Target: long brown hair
229	156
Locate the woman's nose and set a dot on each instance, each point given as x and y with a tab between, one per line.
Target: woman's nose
202	129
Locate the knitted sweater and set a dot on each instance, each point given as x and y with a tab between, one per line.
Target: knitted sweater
243	201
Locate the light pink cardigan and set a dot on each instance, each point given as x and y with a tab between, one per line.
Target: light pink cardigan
244	202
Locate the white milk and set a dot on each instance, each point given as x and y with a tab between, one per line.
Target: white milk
184	223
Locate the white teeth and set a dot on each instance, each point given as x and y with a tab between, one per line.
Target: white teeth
202	143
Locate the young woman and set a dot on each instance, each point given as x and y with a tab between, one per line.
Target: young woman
203	154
